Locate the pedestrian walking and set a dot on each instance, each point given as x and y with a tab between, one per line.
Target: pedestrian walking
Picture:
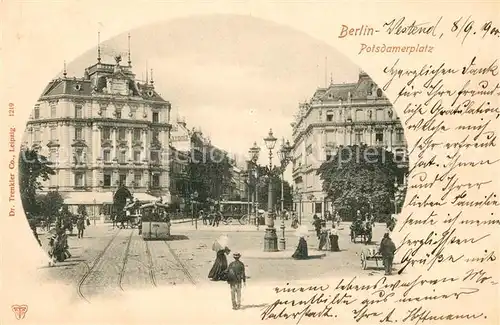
139	224
52	249
387	250
295	221
203	217
80	225
63	249
301	252
338	219
334	239
317	225
218	270
236	277
217	218
324	236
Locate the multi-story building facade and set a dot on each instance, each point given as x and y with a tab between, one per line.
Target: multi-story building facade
187	144
180	157
102	130
339	115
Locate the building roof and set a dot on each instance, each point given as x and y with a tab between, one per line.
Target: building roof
67	86
95	80
359	90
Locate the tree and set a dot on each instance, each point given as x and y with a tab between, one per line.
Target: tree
50	204
82	209
209	172
275	177
360	178
33	169
120	199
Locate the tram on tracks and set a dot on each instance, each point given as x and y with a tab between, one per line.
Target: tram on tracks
155	221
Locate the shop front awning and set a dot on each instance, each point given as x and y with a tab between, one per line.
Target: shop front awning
87	198
145	197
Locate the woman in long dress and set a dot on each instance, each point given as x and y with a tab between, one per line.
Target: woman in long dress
301	253
218	271
324	236
334	239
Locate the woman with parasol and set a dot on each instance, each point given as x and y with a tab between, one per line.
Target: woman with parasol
301	253
218	271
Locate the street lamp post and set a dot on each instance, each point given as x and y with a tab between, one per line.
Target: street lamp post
270	238
284	156
246	176
254	156
298	197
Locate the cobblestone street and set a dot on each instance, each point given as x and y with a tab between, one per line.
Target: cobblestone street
108	260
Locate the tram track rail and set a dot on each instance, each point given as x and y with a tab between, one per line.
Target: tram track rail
125	260
92	267
181	264
151	272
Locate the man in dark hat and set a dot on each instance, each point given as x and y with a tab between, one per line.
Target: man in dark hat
80	225
235	277
387	250
317	225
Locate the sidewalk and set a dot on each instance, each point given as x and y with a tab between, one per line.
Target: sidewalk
187	226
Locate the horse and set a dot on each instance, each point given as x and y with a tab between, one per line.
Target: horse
361	229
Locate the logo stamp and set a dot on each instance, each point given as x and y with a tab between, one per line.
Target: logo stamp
20	311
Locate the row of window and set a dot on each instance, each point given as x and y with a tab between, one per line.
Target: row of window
136	134
359	137
105	135
121	156
122	180
360	115
79	113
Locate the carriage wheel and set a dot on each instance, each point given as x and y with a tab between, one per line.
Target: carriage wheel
363	261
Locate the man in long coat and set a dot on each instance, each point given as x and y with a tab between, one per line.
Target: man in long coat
387	250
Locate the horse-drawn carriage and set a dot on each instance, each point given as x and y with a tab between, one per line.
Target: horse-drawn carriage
361	228
129	217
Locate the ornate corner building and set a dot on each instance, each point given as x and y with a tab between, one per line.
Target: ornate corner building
340	115
100	131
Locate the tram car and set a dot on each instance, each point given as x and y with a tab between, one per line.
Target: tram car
155	221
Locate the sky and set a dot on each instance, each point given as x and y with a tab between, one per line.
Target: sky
235	77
